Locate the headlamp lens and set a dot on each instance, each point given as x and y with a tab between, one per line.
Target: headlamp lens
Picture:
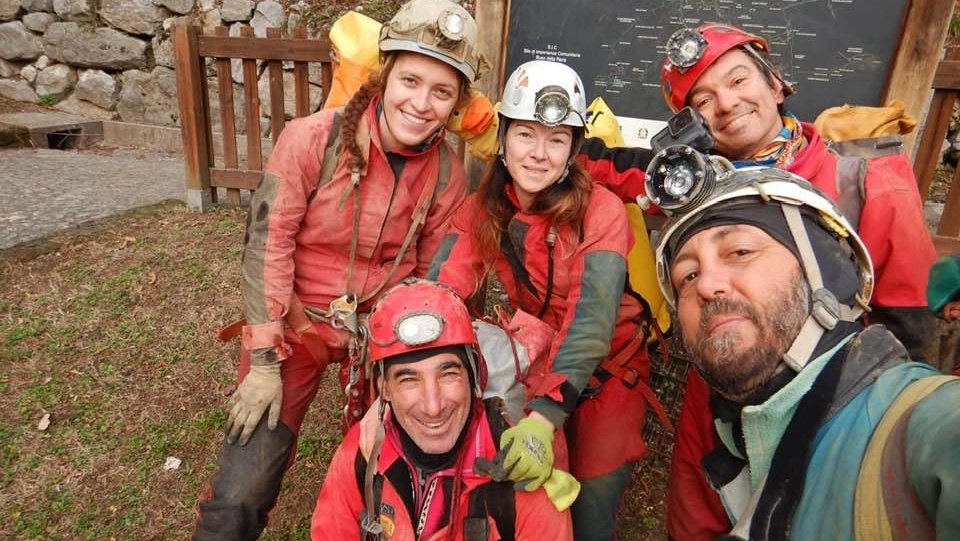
679	181
685	47
679	178
451	26
552	106
419	328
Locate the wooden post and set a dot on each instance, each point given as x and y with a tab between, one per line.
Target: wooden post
193	114
938	122
491	16
277	105
301	79
916	59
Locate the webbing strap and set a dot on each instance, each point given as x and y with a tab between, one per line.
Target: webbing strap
806	341
871	520
418	219
620	366
800	237
850	174
370	523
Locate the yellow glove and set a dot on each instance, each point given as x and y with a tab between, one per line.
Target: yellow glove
562	488
526	451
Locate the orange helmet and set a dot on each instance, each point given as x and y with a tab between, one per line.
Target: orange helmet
690	51
417	315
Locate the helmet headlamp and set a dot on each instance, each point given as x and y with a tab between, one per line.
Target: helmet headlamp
685	47
552	105
680	178
451	25
417	328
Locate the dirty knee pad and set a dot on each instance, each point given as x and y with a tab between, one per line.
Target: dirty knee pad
246	485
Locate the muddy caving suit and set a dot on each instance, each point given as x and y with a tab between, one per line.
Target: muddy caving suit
415	504
302	229
892	228
599	347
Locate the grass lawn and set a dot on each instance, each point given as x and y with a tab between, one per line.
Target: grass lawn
107	333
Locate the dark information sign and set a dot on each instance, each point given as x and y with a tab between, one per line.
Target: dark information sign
834	51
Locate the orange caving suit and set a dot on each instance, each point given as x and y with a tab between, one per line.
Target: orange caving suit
341	502
593	317
299	237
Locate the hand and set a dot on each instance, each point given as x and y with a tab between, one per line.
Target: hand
526	452
262	389
562	488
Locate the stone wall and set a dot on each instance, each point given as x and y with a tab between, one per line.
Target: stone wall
113	59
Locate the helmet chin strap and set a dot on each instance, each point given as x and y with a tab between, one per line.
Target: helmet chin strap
475	369
825	310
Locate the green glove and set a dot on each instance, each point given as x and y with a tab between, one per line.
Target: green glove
562	488
528	460
262	389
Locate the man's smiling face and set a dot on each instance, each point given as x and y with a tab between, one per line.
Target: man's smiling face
739	103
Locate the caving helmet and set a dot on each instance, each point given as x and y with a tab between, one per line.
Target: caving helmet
835	262
690	51
440	29
550	93
418	315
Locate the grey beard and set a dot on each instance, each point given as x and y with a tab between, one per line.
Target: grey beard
736	373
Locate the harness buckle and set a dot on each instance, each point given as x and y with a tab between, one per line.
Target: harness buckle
370	525
630	377
343	312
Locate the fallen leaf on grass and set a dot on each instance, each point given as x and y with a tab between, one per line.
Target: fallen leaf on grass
151	277
44	422
172	463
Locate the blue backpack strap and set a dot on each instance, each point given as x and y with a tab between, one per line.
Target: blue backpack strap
885	506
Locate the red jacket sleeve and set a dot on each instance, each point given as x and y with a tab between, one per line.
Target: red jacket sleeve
537	518
694	510
458	263
893	228
337	514
621	170
276	211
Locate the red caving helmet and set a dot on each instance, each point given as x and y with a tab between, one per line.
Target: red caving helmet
690	51
417	315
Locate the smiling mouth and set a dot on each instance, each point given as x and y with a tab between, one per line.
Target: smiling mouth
436	425
737	122
413	119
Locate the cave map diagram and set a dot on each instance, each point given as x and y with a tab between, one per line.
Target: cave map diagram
834	51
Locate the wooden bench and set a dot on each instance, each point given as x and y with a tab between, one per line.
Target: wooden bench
237	172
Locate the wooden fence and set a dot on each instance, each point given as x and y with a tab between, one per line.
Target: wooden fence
946	85
195	53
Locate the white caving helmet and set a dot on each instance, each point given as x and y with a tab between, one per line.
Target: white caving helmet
550	93
835	262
